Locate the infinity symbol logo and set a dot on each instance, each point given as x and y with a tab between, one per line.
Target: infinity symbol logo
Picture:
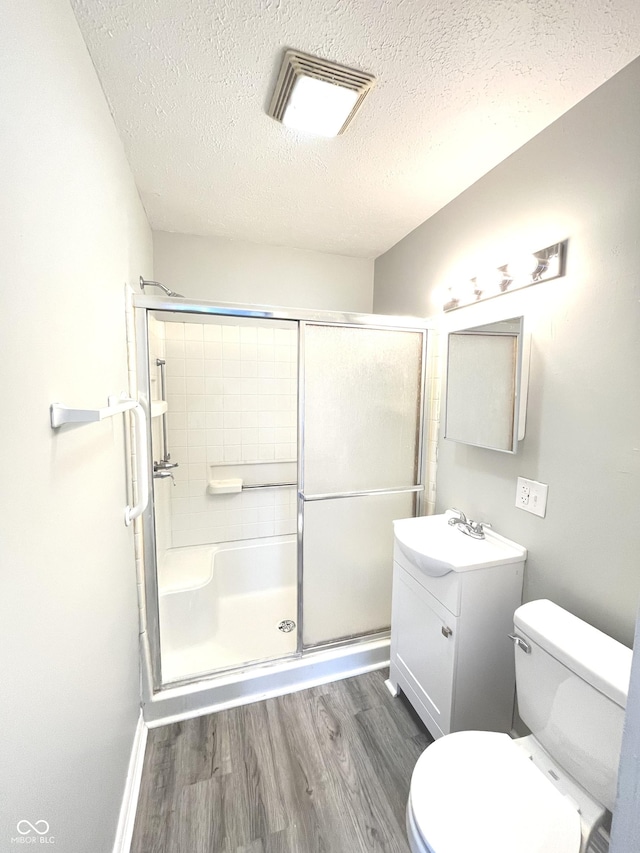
24	827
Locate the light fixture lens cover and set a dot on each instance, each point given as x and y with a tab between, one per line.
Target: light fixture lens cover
318	107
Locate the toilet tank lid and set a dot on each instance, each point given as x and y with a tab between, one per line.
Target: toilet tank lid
594	656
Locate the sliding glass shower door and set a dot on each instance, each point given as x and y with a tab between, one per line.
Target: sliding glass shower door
360	415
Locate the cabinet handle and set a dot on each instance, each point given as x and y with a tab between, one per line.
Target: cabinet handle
446	632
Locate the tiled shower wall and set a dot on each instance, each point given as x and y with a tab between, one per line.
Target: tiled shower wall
232	400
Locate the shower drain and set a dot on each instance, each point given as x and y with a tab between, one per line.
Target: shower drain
286	625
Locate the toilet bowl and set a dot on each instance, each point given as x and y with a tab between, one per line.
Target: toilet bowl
484	792
478	791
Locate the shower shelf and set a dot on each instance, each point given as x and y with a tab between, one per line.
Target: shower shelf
61	414
116	405
158	407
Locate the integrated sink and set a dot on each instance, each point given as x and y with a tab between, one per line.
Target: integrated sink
437	548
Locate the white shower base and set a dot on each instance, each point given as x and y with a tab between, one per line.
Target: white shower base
220	605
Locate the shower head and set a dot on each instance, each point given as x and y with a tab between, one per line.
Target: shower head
144	283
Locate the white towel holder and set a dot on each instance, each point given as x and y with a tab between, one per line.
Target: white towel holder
116	405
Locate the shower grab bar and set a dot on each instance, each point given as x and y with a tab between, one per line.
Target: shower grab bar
270	486
60	415
333	495
161	363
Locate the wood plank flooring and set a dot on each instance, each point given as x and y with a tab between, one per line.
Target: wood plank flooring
326	770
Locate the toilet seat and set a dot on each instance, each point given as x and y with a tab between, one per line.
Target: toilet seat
479	791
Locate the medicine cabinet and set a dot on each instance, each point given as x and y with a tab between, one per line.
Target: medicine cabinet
487	377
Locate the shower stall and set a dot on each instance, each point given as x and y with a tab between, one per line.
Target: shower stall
282	445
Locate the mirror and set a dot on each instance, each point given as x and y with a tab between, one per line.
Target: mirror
487	371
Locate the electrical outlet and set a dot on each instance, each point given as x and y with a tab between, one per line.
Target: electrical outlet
531	496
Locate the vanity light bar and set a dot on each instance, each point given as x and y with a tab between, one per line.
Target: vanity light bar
523	271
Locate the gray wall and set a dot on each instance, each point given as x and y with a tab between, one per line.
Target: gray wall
579	179
218	269
73	232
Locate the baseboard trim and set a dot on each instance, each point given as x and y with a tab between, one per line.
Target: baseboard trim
127	818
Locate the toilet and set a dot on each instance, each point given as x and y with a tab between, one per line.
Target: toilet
550	791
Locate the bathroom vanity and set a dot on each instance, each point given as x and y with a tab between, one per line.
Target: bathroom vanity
453	604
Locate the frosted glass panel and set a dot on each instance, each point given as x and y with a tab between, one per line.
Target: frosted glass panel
348	559
362	407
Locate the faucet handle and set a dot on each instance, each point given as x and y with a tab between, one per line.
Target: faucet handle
462	517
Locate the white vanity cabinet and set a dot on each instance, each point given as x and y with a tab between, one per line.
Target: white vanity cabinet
453	604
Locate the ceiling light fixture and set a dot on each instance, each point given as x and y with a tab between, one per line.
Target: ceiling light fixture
317	96
521	272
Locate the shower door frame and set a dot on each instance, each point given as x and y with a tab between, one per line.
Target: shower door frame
143	305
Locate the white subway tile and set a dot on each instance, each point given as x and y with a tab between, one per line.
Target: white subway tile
281	451
281	528
214	402
282	336
250	452
179	506
176	385
195	385
196	420
248	334
231	334
195	402
213	351
267	528
250	531
175	367
194	349
231	403
282	353
194	367
197	454
266	369
193	332
249	403
248	369
214	437
212	332
213	367
177	437
177	420
231	351
174	331
232	420
231	368
232	453
198	485
215	454
281	370
249	352
175	349
267	453
250	436
265	335
266	435
214	420
197	471
213	385
250	420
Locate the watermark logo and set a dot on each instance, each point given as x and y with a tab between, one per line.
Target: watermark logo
33	833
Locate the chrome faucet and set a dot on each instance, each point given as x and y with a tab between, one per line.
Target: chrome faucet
163	465
162	475
475	529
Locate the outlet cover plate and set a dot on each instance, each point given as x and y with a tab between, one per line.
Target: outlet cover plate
531	496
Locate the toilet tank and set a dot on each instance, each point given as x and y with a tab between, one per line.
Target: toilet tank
572	692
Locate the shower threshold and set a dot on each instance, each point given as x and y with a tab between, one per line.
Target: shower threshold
263	680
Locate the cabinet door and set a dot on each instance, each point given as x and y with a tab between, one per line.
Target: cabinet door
424	641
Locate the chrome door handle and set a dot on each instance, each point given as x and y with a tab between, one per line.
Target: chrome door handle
518	641
446	631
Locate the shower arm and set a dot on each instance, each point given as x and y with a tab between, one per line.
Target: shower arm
144	283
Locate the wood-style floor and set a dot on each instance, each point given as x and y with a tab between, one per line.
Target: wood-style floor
326	770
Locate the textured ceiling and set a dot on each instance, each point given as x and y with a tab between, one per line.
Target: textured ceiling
461	85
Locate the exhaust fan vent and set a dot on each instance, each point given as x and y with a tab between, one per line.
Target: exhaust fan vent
316	95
